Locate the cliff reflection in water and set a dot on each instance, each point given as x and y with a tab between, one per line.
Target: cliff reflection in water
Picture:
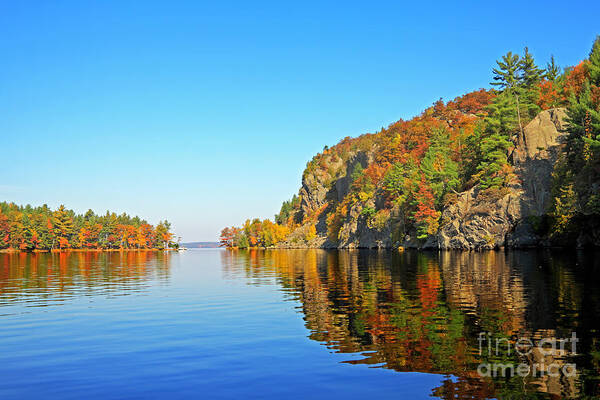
40	278
424	311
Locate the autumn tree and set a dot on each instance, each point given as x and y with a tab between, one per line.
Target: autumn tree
426	216
227	237
63	227
473	102
242	241
4	231
272	233
163	234
145	236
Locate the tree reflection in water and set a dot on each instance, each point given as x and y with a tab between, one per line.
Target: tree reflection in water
423	312
51	277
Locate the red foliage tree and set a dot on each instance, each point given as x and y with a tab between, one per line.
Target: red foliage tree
474	102
575	78
550	95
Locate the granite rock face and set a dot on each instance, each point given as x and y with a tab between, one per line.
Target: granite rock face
475	220
484	222
359	232
534	157
479	222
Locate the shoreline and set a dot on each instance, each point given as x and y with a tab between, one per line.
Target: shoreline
15	251
419	249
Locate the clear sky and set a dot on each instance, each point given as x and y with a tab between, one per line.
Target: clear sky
205	113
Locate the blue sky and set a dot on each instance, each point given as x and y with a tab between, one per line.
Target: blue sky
205	113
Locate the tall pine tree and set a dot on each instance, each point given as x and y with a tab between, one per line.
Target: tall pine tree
552	71
594	65
530	73
507	75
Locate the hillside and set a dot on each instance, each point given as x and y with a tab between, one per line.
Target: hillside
200	245
515	165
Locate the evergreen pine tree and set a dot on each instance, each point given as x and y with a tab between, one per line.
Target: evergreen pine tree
594	63
552	70
507	75
42	231
494	148
63	226
527	92
438	167
583	124
106	234
494	142
530	73
509	78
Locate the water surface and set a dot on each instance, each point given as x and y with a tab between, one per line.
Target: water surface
291	323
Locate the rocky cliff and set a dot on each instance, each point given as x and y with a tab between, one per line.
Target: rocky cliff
475	219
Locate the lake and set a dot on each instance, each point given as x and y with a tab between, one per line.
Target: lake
299	324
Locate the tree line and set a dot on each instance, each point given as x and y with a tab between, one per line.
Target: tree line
29	228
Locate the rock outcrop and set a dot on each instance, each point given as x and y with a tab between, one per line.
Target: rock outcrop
476	221
485	222
534	156
360	231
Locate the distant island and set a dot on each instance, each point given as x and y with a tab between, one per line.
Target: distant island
27	228
516	165
200	245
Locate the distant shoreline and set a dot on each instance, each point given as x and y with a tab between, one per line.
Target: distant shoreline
200	245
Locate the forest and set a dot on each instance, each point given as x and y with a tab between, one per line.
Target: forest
420	165
28	228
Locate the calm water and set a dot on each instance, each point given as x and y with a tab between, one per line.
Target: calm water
293	324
